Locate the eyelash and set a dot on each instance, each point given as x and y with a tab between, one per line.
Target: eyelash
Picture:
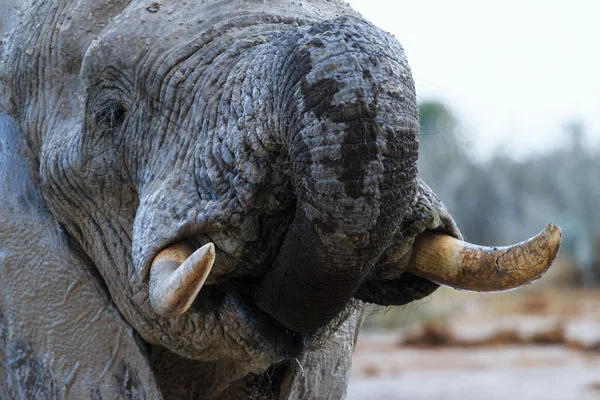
110	115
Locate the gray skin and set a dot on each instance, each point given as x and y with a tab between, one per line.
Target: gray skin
285	132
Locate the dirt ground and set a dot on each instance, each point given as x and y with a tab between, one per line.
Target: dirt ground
533	344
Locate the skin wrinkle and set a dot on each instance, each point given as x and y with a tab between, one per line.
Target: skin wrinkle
33	96
209	48
254	141
157	75
47	41
208	154
105	253
292	86
225	118
295	90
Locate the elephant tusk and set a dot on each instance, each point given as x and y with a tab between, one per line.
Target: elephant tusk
448	261
177	275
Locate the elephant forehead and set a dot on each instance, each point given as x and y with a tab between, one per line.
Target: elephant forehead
160	27
77	26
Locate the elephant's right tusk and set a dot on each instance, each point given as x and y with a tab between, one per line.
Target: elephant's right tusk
448	261
177	275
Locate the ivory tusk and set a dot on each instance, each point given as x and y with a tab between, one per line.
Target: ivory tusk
448	261
177	275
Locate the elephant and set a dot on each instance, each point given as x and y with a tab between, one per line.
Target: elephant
199	197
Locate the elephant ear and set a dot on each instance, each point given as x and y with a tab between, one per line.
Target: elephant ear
60	334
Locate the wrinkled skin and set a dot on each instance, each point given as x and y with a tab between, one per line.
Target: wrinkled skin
286	133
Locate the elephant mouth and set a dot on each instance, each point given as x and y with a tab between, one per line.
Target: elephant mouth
186	288
183	282
179	272
234	296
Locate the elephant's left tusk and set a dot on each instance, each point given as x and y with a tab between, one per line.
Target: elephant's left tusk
448	261
177	275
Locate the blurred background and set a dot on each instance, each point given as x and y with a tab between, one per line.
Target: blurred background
510	140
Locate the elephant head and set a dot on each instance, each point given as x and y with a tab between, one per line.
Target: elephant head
238	171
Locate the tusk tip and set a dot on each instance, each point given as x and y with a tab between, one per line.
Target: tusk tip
210	249
554	234
204	258
551	238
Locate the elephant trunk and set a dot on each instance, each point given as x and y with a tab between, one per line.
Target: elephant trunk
347	213
313	277
351	137
322	262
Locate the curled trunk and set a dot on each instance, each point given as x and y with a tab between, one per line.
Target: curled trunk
354	152
311	280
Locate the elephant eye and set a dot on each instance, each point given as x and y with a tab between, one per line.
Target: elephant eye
111	115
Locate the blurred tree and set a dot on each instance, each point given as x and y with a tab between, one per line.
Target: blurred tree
443	161
445	164
503	200
582	192
442	146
